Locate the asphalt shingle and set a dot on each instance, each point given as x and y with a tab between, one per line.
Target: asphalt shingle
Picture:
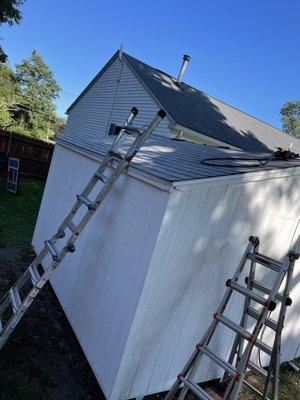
172	160
202	113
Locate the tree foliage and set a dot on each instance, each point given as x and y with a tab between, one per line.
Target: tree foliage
38	89
9	97
27	98
9	14
290	117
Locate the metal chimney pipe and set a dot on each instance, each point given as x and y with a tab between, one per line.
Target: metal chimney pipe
185	60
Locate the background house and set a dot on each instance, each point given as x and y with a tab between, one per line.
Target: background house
150	268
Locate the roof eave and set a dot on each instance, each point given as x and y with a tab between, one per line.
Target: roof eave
203	136
132	171
246	177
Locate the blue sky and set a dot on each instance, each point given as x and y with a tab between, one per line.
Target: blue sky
244	53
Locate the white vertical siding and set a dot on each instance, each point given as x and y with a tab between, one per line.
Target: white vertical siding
107	101
149	270
99	285
202	238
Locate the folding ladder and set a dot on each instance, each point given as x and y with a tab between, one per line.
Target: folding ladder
256	294
127	143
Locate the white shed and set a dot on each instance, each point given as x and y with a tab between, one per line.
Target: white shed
150	268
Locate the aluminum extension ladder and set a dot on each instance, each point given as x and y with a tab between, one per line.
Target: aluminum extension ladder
129	140
239	360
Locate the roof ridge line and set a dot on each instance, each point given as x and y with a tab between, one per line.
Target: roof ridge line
213	97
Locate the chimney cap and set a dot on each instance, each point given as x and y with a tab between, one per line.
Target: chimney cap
186	57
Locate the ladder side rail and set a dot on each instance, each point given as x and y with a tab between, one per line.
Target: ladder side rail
122	165
5	301
12	323
191	366
44	278
93	181
235	384
247	301
277	342
238	343
91	184
14	320
133	114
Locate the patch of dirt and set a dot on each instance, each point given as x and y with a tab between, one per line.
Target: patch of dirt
42	359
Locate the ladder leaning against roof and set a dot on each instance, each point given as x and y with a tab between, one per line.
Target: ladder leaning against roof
129	140
255	294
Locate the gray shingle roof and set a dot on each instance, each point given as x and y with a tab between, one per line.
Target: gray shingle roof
172	160
202	113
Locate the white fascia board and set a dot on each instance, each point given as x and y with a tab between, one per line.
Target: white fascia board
134	172
202	136
236	178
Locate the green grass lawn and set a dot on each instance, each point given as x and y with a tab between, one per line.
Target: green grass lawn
18	213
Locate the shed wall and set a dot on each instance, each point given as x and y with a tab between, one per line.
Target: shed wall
202	238
99	286
110	99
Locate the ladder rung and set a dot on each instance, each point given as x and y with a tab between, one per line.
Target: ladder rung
34	274
218	360
265	261
264	289
269	322
264	347
71	226
257	370
86	201
52	250
101	177
258	392
196	389
248	293
15	299
115	155
234	326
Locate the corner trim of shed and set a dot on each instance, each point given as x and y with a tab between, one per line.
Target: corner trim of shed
237	178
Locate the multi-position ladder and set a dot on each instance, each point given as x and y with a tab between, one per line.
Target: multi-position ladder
259	302
15	303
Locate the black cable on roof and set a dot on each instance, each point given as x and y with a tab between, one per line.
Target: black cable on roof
279	155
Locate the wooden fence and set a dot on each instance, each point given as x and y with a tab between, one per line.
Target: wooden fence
35	154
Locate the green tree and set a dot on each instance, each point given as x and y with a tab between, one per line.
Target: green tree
38	90
9	14
9	97
290	117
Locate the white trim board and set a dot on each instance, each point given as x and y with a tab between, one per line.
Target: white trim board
192	184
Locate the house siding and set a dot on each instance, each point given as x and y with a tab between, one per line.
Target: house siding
131	92
110	100
202	238
91	113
